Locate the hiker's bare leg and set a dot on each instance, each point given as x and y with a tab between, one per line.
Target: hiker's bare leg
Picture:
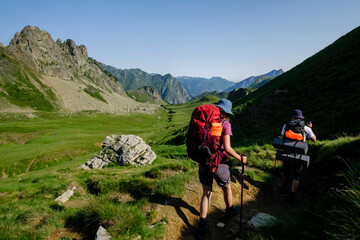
227	195
295	185
205	200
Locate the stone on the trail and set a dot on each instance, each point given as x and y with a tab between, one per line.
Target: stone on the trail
66	195
260	220
123	150
102	234
220	225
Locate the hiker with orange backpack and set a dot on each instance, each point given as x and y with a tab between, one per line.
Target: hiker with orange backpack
295	129
208	142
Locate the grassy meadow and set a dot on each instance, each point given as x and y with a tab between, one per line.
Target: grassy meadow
40	157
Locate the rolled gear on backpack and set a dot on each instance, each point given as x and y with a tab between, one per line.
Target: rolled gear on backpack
292	146
293	158
294	129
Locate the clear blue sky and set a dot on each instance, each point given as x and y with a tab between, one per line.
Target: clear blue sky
233	39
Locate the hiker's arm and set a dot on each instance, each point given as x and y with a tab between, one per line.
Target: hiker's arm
282	132
230	150
313	137
309	124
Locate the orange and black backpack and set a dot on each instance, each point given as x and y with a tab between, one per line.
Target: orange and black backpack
204	141
294	129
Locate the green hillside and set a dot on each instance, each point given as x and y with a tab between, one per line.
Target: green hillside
214	93
21	86
261	81
326	87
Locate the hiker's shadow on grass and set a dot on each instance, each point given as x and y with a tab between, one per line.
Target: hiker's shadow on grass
179	203
237	175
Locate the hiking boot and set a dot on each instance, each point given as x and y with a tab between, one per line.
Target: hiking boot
201	232
232	212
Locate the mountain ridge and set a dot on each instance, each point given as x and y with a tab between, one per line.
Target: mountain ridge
168	87
39	74
198	85
250	80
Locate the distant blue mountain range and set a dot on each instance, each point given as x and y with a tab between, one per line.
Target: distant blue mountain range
197	85
250	80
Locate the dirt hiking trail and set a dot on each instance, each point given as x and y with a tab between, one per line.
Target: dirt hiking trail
183	213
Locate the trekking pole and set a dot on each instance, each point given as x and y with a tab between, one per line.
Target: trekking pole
242	192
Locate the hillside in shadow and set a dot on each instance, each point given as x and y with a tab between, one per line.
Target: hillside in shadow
326	87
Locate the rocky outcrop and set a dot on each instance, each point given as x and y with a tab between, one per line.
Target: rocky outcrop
65	59
122	150
146	94
151	92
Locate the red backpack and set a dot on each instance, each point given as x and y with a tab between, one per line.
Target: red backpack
204	136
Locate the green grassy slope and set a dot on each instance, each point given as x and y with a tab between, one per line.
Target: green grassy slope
40	159
333	185
326	87
21	86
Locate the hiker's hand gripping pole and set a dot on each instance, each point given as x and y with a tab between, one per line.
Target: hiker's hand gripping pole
243	158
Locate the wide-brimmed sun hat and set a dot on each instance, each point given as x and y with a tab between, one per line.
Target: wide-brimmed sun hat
297	113
225	105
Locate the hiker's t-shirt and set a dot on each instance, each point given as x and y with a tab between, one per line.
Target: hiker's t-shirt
307	132
226	128
225	131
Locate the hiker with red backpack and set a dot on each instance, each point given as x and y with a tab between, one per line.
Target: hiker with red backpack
297	130
208	143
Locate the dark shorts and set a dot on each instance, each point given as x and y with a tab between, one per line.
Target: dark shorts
292	169
221	175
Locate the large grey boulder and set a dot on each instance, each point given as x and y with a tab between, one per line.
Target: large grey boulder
123	150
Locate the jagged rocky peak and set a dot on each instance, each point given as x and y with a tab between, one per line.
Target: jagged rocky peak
79	52
64	60
45	52
28	35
